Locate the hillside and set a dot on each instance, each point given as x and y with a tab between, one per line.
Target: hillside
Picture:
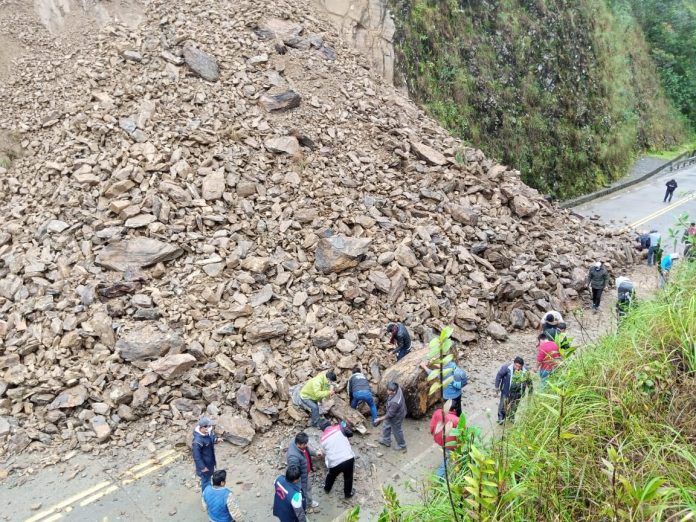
212	204
567	93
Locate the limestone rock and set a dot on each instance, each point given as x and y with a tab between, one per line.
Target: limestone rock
147	342
70	398
463	215
428	154
172	366
243	397
283	145
497	331
281	102
100	427
139	252
201	63
523	207
263	331
325	338
339	253
213	185
236	430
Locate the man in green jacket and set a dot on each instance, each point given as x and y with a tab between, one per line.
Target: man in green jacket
316	390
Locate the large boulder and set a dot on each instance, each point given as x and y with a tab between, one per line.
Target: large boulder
338	253
138	252
236	430
148	342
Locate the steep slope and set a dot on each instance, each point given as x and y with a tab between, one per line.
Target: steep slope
567	93
174	244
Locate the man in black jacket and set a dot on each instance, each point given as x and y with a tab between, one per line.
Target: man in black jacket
671	187
597	279
394	417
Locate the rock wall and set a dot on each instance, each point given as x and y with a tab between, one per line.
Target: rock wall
368	25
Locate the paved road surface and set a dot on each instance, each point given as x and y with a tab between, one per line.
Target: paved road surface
641	206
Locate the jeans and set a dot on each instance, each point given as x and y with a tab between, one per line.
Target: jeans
651	255
441	470
596	297
308	490
313	408
456	405
205	480
347	469
668	194
507	407
543	375
367	398
402	353
396	426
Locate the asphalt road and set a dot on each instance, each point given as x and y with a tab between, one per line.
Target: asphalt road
641	206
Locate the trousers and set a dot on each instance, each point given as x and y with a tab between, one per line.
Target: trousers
395	426
347	469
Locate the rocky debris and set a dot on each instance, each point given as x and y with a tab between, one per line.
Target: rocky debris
497	331
236	430
139	252
173	246
201	63
173	366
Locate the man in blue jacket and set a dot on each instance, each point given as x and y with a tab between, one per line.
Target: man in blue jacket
219	501
288	502
400	337
203	450
512	381
453	391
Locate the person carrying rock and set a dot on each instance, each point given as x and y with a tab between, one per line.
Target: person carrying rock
359	391
289	504
597	279
394	417
401	338
453	390
338	456
512	381
440	426
671	187
316	390
203	451
300	454
221	505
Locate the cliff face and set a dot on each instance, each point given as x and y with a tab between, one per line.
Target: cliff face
566	93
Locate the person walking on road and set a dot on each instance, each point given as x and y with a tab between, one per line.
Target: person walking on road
597	279
300	455
289	504
654	243
203	451
439	428
222	506
338	456
453	391
512	381
316	390
399	337
359	390
548	357
394	418
671	187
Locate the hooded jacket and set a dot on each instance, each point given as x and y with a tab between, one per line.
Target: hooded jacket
598	277
396	406
203	450
316	389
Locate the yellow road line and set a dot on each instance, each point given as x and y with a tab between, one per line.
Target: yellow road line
98	495
664	210
106	488
67	502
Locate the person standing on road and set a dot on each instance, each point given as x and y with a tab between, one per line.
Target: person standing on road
597	279
338	456
203	450
359	391
671	187
512	381
548	357
289	504
439	428
453	391
222	506
654	244
316	390
394	417
399	337
300	455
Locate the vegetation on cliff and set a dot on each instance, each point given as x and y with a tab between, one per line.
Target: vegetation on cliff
566	93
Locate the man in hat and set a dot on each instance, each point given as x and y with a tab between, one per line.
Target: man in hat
203	450
399	337
597	279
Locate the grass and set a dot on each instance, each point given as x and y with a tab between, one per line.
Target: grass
669	154
612	437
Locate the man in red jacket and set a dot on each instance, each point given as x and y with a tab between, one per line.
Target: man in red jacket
440	429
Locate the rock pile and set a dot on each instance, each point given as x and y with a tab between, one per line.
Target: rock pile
219	203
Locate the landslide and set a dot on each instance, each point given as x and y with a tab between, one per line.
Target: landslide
173	245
